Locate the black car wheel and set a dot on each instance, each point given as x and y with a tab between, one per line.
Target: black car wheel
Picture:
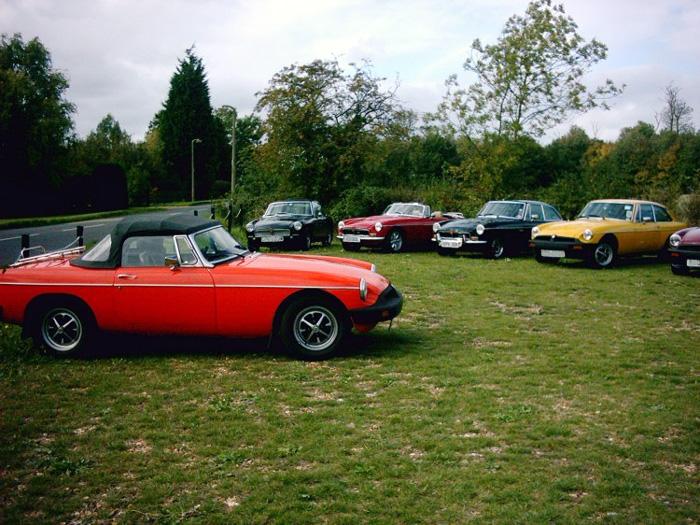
496	249
679	270
394	241
313	328
306	242
253	246
603	255
328	240
64	327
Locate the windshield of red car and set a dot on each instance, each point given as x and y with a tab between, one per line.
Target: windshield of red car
512	210
607	210
408	210
217	245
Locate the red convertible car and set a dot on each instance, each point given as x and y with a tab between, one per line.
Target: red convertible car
684	251
185	275
401	225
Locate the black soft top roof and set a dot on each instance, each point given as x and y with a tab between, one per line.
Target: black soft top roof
179	224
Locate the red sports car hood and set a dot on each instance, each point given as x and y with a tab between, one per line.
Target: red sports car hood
368	222
300	271
692	236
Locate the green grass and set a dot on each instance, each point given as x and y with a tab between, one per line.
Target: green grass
506	391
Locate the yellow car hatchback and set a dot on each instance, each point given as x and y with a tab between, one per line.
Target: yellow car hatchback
606	230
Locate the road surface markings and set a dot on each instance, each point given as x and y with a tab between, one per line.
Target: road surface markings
84	227
18	237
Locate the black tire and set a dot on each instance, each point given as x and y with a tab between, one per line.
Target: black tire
351	247
679	270
497	250
446	252
64	327
664	255
253	246
306	242
394	241
328	240
603	255
313	328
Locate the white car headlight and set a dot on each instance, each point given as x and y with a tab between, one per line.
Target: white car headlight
535	231
363	289
587	235
296	225
436	226
480	229
250	227
378	226
674	240
373	268
341	225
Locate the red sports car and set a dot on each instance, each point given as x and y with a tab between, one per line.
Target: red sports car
402	225
186	275
684	251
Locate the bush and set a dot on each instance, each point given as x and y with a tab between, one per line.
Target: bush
688	207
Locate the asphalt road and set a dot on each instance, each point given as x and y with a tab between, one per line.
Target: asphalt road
57	236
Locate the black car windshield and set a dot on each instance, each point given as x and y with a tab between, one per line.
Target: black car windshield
288	208
408	210
513	210
217	245
607	210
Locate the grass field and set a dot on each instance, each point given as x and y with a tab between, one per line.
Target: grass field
506	391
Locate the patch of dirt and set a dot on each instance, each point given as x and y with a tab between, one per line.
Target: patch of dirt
84	430
231	502
481	342
138	446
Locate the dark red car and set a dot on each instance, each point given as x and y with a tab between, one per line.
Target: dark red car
400	226
684	251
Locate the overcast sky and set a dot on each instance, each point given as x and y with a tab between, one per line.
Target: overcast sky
119	55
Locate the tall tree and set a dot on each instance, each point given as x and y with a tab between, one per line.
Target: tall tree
186	116
35	125
529	80
676	114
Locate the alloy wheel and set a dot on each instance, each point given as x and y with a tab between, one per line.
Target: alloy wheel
315	328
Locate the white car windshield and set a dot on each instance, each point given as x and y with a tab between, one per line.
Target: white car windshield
607	210
408	210
288	208
512	210
217	245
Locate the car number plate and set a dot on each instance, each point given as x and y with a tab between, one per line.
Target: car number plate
553	253
272	238
450	243
351	238
693	263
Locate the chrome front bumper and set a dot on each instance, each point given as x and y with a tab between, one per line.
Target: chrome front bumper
361	238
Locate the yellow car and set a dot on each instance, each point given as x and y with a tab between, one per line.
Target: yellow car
605	230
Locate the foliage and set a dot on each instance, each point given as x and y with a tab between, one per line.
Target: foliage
187	116
676	114
530	80
35	126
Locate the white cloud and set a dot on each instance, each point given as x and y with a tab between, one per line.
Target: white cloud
120	55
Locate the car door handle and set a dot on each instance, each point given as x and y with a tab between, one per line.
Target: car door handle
126	276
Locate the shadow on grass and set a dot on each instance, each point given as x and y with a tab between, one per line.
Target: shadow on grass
381	343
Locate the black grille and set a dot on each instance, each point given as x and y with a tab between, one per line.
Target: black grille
355	231
690	247
451	234
555	239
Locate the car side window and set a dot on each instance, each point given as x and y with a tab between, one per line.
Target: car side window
645	213
187	256
550	214
661	214
147	251
536	213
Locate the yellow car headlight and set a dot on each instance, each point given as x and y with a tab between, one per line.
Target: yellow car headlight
587	235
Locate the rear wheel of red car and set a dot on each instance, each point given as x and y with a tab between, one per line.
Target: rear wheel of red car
64	327
313	328
394	241
603	255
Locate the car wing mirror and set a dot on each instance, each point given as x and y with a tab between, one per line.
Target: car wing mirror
172	262
535	217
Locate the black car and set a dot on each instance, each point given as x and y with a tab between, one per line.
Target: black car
500	228
290	224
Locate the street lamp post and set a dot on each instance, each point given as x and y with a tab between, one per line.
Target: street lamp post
192	161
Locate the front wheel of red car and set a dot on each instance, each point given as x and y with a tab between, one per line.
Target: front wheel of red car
64	328
313	328
394	241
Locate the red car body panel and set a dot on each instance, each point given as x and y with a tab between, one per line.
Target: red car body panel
238	298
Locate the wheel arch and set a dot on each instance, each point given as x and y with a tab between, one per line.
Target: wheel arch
612	239
34	308
307	293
